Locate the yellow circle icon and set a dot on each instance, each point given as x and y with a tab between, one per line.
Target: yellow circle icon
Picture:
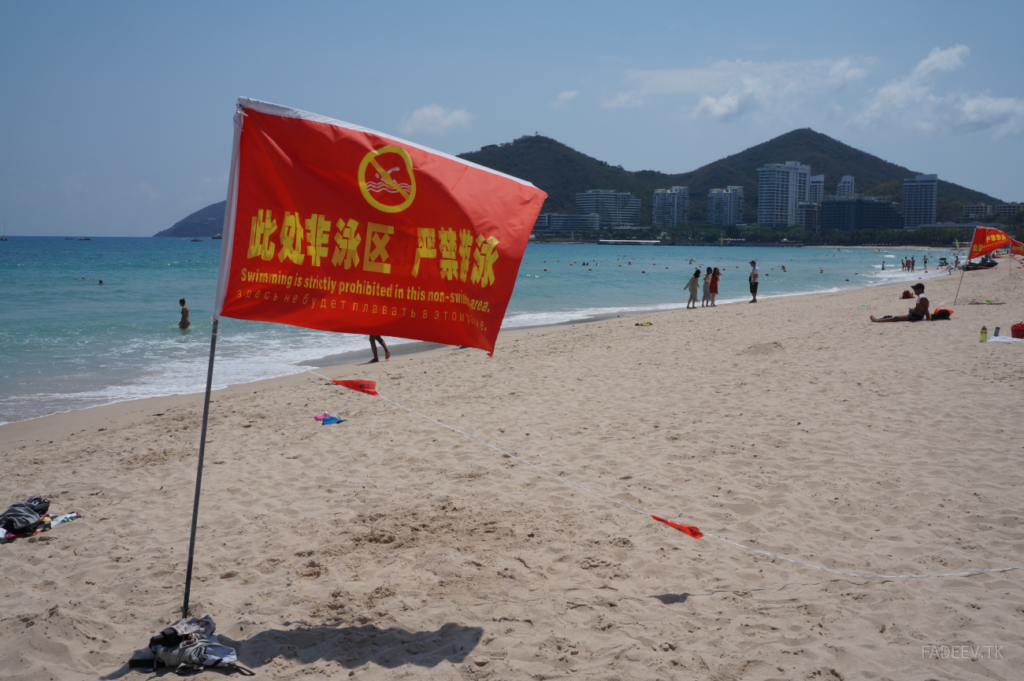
387	182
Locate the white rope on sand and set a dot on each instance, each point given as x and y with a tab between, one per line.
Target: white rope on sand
633	508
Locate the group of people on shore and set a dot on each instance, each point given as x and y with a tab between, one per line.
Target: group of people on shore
710	285
710	288
910	264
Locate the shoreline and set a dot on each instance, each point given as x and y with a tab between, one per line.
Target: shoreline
412	347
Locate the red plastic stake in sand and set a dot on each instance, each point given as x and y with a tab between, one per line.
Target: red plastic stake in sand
368	387
685	529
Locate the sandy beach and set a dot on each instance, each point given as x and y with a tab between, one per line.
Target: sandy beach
390	547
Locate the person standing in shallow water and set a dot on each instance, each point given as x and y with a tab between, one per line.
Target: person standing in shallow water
692	287
373	346
184	323
754	278
706	299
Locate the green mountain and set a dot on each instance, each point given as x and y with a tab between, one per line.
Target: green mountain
562	172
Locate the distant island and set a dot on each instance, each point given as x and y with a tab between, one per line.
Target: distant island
203	223
562	172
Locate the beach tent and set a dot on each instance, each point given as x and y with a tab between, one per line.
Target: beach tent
336	227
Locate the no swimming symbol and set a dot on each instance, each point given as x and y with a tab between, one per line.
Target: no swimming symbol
382	174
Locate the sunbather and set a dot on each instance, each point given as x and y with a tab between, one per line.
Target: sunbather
916	314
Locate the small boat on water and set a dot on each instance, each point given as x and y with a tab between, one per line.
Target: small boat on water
197	239
217	237
84	238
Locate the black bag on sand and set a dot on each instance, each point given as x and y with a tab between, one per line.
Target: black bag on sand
24	515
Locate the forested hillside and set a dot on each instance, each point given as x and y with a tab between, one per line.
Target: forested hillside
562	172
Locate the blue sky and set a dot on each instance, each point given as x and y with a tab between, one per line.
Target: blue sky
116	117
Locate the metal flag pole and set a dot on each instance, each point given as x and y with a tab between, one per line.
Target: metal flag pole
962	270
199	471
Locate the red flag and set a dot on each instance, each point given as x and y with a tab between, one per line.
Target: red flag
368	387
685	529
335	227
987	240
1016	247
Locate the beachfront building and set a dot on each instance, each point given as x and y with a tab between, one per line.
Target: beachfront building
725	206
977	211
816	189
780	187
556	222
616	210
671	207
919	198
1007	210
845	187
850	213
808	215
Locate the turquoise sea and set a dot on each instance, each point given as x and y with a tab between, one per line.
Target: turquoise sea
68	343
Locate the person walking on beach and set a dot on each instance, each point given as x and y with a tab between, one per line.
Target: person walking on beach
373	346
184	323
715	276
755	279
692	287
706	299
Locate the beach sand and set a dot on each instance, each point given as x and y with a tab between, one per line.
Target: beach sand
390	547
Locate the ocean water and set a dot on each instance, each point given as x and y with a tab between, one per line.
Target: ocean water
68	343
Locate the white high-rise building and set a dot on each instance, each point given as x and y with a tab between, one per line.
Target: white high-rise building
618	210
845	187
919	198
671	207
725	206
780	187
816	189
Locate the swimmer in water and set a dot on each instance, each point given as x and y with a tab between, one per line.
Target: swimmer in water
184	323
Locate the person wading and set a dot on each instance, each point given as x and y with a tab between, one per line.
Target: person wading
755	279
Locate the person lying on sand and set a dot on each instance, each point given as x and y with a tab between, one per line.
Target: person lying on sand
916	314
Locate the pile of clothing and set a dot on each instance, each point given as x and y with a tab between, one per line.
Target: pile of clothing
29	518
188	647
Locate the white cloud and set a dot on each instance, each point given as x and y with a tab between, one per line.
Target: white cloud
148	191
728	90
913	101
563	99
622	99
435	119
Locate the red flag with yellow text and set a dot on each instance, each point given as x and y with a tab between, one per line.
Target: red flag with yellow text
336	227
987	240
1016	247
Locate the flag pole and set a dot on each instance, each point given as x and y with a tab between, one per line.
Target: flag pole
960	284
962	270
199	470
